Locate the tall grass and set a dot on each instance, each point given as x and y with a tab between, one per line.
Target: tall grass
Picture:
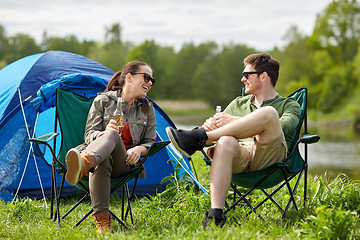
332	212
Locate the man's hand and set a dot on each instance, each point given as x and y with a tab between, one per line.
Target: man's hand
219	120
209	124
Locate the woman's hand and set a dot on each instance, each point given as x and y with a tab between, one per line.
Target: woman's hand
112	126
134	154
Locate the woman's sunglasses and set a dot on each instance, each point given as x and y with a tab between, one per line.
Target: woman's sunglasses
147	77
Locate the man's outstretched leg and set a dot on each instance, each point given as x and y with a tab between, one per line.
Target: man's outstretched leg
263	123
187	142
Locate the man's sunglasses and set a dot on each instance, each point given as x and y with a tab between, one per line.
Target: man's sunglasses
246	74
147	77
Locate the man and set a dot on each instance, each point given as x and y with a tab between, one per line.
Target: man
268	119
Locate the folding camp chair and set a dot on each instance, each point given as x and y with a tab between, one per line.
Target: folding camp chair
280	173
71	115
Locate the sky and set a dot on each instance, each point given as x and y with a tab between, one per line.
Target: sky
261	24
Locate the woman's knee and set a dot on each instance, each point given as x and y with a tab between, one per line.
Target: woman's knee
112	135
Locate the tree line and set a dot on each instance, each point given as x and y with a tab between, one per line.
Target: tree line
326	61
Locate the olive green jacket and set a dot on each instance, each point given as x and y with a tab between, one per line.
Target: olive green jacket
140	116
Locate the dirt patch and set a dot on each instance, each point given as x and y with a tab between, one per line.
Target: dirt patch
182	105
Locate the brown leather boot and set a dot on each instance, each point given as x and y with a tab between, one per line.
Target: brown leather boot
77	166
103	223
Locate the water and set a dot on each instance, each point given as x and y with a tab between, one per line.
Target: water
334	158
338	150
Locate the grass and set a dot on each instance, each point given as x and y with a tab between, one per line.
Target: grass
332	212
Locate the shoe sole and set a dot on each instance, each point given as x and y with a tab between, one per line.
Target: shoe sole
172	139
73	162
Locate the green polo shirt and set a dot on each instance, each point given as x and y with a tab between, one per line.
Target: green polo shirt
288	109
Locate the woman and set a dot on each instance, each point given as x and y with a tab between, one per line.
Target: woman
104	149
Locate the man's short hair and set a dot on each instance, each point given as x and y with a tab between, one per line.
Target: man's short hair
263	62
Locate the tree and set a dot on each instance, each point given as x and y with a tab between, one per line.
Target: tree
338	28
3	42
339	83
45	42
188	59
113	52
217	80
159	58
19	46
297	65
70	44
4	46
113	34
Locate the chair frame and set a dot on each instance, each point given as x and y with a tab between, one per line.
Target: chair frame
58	166
306	139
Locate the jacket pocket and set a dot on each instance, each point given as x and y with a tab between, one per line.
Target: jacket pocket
140	127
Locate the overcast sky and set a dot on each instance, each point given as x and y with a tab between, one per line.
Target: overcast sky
261	24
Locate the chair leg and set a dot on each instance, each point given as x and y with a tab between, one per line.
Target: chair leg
122	203
61	186
125	191
305	185
242	197
293	193
118	219
234	197
52	197
73	207
60	192
129	203
271	199
110	212
57	213
83	218
132	194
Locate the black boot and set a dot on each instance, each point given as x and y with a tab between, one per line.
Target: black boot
187	142
217	217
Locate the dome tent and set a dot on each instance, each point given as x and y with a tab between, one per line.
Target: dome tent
27	98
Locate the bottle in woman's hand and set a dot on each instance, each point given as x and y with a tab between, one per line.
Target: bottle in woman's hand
118	114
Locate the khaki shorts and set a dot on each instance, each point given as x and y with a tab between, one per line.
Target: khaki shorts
254	156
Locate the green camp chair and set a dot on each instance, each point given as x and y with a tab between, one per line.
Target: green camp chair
280	173
71	115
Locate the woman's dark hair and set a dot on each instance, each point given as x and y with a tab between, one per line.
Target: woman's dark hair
263	62
118	79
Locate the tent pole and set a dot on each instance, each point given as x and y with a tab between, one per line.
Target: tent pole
31	150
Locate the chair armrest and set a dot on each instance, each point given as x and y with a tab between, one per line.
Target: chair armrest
153	149
306	138
309	139
44	138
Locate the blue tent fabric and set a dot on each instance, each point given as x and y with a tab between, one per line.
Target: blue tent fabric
45	68
10	79
31	82
82	84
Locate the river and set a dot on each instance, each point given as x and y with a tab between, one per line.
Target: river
337	152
